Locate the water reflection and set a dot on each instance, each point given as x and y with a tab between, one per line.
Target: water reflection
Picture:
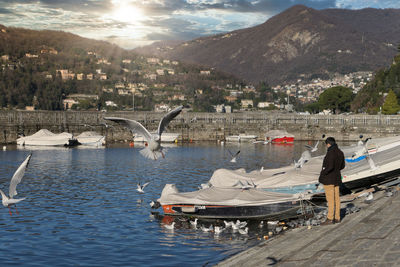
82	203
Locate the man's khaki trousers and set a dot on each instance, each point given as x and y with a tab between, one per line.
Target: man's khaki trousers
333	199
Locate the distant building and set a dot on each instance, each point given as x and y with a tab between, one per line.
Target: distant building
89	76
153	60
247	103
230	98
264	104
66	74
79	76
30	108
28	55
5	57
160	72
205	72
161	108
110	104
126	61
67	103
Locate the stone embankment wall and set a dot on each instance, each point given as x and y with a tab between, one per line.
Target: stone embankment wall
199	126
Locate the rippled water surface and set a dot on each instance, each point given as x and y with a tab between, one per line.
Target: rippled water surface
81	206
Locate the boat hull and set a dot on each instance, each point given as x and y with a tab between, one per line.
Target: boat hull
375	179
282	140
283	210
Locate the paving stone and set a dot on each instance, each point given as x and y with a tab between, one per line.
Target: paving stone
392	256
370	237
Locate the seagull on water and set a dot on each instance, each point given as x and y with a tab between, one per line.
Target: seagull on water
154	148
218	229
15	180
169	226
313	148
193	223
140	188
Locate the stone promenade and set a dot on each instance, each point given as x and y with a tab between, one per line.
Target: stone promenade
370	237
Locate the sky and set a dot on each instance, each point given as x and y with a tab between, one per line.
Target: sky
133	23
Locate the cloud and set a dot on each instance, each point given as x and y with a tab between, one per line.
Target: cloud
162	19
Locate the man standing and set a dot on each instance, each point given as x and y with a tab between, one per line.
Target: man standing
330	177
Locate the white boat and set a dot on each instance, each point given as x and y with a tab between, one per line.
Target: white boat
231	203
90	138
241	138
46	138
280	193
165	138
373	162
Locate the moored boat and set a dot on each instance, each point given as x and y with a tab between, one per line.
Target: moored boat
90	138
279	137
241	138
231	203
46	138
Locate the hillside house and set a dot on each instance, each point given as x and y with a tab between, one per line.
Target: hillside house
161	107
65	74
153	60
247	103
160	72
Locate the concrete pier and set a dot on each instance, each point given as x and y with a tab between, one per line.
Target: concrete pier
200	126
370	237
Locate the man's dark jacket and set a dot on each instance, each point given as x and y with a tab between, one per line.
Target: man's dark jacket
333	163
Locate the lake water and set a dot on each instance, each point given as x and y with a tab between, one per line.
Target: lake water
82	207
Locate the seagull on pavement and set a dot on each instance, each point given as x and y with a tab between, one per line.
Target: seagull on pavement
154	148
140	188
15	180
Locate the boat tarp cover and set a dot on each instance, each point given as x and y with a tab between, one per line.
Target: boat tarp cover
46	137
387	151
270	178
225	196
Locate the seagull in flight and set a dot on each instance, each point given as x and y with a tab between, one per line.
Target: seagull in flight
154	148
234	156
140	188
314	148
15	180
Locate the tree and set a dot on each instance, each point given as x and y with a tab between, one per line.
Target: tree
337	99
391	105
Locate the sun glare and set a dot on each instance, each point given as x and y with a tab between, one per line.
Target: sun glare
127	13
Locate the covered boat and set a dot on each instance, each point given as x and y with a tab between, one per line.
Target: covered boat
370	162
90	138
280	193
46	138
241	138
231	203
279	137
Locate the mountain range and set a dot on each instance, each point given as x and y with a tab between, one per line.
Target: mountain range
300	42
